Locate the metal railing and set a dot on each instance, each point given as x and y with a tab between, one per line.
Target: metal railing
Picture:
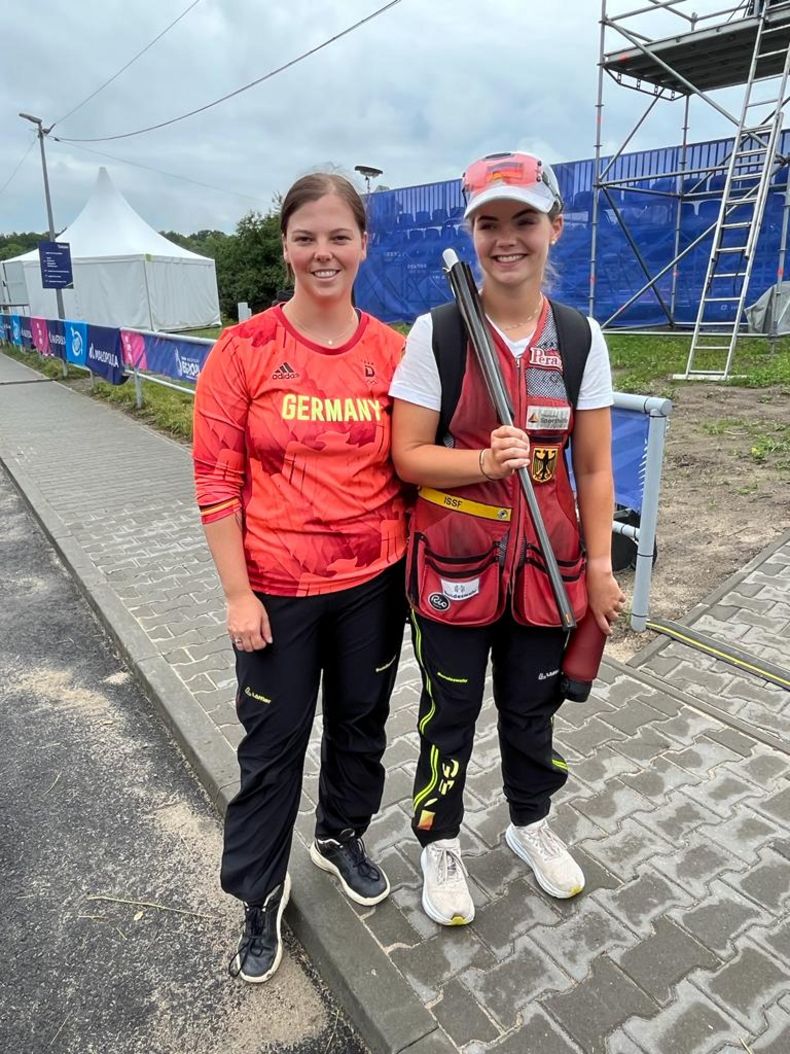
140	376
644	536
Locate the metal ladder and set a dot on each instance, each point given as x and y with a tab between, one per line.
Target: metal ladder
743	202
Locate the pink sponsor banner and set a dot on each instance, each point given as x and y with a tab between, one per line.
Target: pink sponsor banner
38	328
133	349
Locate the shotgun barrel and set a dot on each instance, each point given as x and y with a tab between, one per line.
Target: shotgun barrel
459	275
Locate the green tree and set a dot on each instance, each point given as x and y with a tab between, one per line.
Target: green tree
250	263
12	245
202	242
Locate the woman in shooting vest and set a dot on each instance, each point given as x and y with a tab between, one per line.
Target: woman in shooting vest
476	577
305	519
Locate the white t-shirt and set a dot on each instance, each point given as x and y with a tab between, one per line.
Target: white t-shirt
417	380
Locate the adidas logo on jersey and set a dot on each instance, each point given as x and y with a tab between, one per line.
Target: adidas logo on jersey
285	372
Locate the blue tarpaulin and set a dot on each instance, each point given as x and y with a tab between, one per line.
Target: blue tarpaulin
409	229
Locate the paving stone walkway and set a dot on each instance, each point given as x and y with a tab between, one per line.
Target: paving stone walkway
752	612
678	803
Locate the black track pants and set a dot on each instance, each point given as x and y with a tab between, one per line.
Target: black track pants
352	638
525	666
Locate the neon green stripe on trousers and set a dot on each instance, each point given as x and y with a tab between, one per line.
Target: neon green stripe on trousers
431	785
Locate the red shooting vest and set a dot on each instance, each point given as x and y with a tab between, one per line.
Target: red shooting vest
474	550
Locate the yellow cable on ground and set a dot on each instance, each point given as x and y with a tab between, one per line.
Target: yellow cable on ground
742	660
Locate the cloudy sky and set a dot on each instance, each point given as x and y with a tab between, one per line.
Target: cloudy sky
418	92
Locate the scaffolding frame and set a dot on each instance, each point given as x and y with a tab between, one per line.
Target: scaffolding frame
714	50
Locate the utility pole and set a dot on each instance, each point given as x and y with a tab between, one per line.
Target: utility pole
41	133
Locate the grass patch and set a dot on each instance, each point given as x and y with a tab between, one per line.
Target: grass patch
645	364
726	426
49	367
163	408
211	332
773	448
769	443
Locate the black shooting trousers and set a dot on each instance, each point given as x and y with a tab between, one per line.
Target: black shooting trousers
526	671
348	642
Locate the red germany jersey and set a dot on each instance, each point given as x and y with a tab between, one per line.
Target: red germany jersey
297	436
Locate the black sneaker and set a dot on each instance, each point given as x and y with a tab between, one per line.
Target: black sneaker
346	858
261	944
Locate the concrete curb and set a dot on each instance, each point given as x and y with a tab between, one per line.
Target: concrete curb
383	1007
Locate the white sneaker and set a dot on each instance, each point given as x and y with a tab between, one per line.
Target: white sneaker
555	869
445	894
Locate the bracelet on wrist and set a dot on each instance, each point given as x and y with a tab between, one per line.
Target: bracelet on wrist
493	479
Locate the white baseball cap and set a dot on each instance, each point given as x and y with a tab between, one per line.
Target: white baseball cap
511	176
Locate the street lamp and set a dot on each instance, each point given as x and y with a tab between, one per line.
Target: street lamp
368	172
41	133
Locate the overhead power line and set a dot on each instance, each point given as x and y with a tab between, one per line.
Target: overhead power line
245	87
160	171
20	162
128	64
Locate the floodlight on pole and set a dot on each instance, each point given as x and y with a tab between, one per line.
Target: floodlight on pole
368	172
42	131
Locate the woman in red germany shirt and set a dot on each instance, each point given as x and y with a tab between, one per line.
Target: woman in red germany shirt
305	520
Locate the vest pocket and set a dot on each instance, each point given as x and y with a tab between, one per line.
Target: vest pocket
533	598
457	590
533	601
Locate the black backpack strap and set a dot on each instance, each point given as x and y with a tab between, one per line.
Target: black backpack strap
449	350
574	337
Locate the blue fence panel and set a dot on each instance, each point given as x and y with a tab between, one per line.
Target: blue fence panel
629	451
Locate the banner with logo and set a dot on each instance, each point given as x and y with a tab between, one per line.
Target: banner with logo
16	330
104	354
133	349
76	343
56	331
38	327
181	360
106	351
26	331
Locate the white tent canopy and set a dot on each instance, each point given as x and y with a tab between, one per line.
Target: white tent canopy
125	273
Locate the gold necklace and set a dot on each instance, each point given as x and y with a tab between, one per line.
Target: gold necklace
330	343
527	320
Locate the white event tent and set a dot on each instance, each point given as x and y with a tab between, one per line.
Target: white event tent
125	273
